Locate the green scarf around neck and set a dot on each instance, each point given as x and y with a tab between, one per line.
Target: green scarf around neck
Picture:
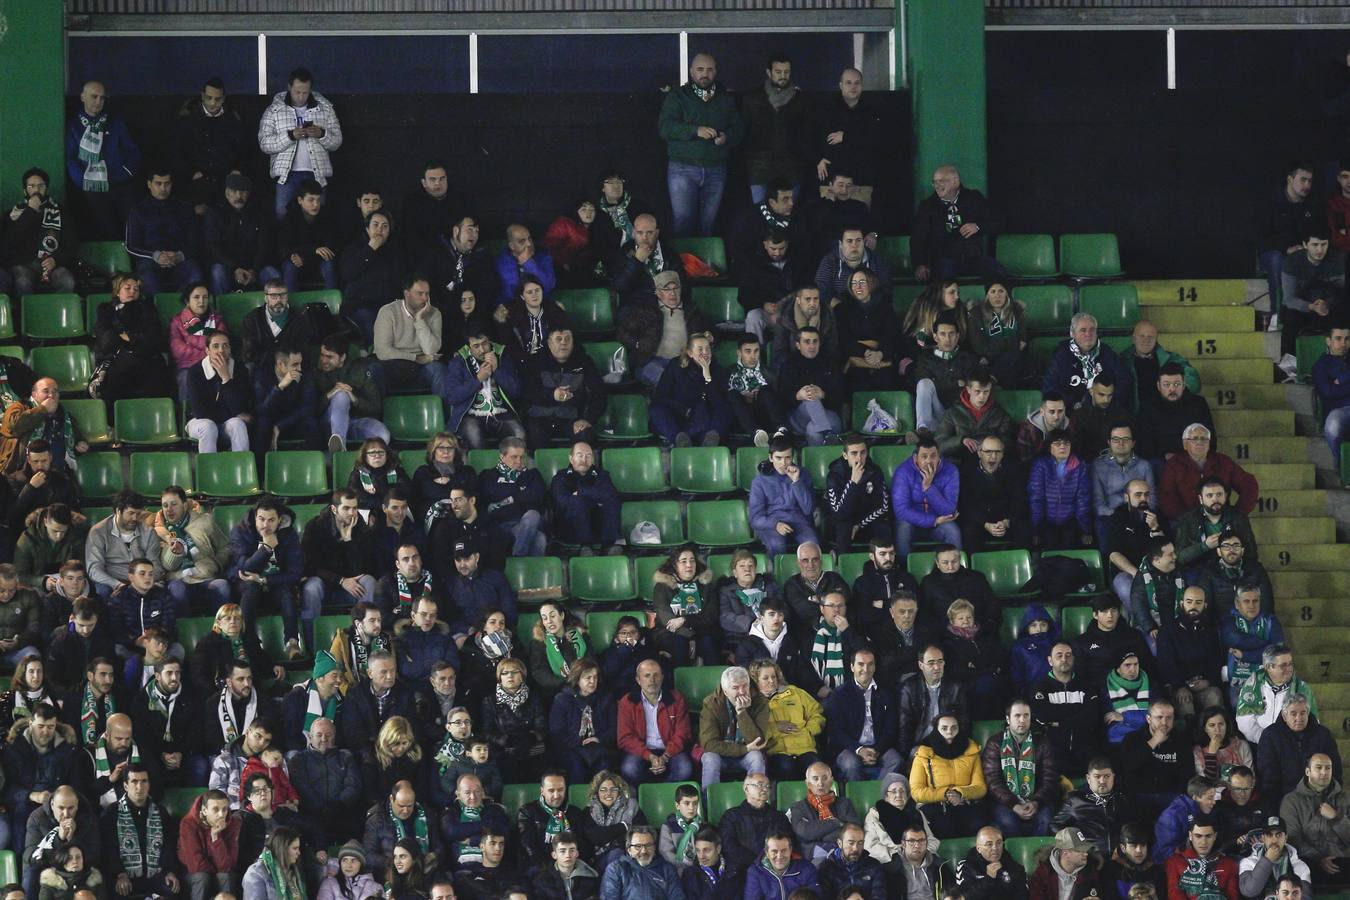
553	649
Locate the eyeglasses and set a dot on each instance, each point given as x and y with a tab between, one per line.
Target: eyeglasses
645	845
922	840
461	721
1233	545
282	294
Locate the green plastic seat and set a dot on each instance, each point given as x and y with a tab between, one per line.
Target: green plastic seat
889	456
719	304
150	421
326	626
70	364
106	256
657	801
1076	621
1092	558
635	470
899	404
99	475
343	463
550	461
514	796
96	514
602	354
272	636
725	353
1007	570
1025	849
1027	255
747	465
579	795
329	298
1041	349
817	460
1344	463
709	249
230	475
894	249
234	307
785	565
723	796
1018	404
1048	307
982	730
296	473
697	682
229	515
719	523
624	419
665	514
644	575
151	473
305	513
863	794
482	459
850	565
91	304
1309	350
903	297
720	564
1090	256
177	801
590	309
53	317
525	627
13	351
601	579
1115	306
415	418
534	572
191	630
601	627
953	850
168	304
6	318
701	470
920	562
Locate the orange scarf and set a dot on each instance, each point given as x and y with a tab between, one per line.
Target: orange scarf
822	804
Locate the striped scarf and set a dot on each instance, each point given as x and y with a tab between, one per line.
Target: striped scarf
827	655
89	709
360	650
318	708
1150	580
1017	760
1125	694
103	768
139	861
91	154
367	476
405	594
469	849
162	703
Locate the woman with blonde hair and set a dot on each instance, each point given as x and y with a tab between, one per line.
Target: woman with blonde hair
514	721
227	641
797	719
690	405
611	809
939	297
398	757
443	471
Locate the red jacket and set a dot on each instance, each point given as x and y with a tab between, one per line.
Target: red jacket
672	720
1181	480
1044	881
1225	870
198	853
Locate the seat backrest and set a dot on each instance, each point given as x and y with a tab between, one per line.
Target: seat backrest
696	683
601	578
99	475
1007	570
414	418
92	417
747	465
232	474
701	469
149	420
635	470
1076	621
657	801
296	473
1089	255
71	365
152	472
550	461
665	514
1027	255
1116	306
1048	307
533	572
53	316
590	309
894	249
601	627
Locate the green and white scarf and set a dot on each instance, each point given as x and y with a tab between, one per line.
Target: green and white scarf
229	728
162	703
180	532
1252	697
944	355
287	887
1126	694
1017	760
687	599
555	821
89	708
469	850
488	400
368	477
450	753
553	649
419	827
656	262
103	768
704	94
1200	880
744	380
360	650
618	214
684	850
1088	366
827	655
7	393
59	432
1259	628
508	474
91	154
1150	579
138	861
405	594
318	708
752	597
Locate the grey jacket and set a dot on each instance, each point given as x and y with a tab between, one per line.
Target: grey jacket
107	556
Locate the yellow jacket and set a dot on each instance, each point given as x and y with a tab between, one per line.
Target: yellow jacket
931	776
795	706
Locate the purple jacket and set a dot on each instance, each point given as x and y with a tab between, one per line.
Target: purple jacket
774	498
1059	499
918	507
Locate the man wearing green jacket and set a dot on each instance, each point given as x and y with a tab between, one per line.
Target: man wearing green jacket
700	124
1144	361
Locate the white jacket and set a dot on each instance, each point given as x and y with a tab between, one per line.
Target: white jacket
274	137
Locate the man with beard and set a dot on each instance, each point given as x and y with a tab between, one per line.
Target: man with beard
352	646
168	722
775	128
1106	640
1182	475
1200	530
231	710
1068	708
1132	528
239	240
1162	423
32	252
36	760
1190	655
1229	573
700	125
920	697
1097	810
212	144
456	263
881	580
337	549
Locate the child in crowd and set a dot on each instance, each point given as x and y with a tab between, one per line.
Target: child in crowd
677	832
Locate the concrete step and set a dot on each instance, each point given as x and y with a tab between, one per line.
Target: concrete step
1333	694
1310	584
1312	612
1291	503
1266	450
1187	293
1205	345
1228	372
1246	396
1283	476
1295	530
1290	557
1213	319
1254	423
1336	718
1327	639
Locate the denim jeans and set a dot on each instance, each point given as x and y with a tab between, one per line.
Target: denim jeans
27	280
1013	825
751	763
222	279
695	195
212	594
477	430
851	767
927	407
985	267
905	533
337	419
1334	429
289	189
812	419
291	273
1272	263
636	770
312	597
206	433
803	531
156	278
651	373
527	535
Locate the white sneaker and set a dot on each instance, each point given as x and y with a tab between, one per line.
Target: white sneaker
761	438
1274	323
336	444
293	649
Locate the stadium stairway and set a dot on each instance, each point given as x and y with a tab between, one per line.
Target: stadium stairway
1272	431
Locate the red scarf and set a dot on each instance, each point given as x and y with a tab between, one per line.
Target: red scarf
822	804
977	413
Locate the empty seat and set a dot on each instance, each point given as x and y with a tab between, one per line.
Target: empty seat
151	473
1048	307
533	573
193	629
1027	255
168	304
719	304
296	473
1007	571
624	419
697	682
590	309
229	516
817	460
719	523
482	459
644	575
1090	256
229	475
1076	620
91	304
92	418
234	307
601	579
6	318
151	420
99	475
70	364
701	470
1018	404
602	354
890	456
106	256
664	514
747	465
414	419
635	470
343	463
53	317
1115	306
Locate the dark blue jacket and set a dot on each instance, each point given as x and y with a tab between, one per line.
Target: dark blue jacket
682	388
161	225
417	650
286	408
385	542
595	485
133	612
461	385
525	493
209	399
844	715
119	150
834	873
1331	377
246	554
455	832
1065	374
1169	832
564	719
471	597
1058	499
1027	656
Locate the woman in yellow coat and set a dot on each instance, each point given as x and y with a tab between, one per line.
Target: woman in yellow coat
797	719
948	781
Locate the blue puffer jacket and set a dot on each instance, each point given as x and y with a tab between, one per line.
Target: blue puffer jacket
918	507
246	554
417	650
774	498
761	883
626	880
1170	830
134	612
1027	656
461	385
1058	498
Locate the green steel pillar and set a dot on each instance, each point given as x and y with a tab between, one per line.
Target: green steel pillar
32	94
945	53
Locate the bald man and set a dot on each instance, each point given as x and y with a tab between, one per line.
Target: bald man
520	257
63	821
642	259
700	124
953	231
101	163
40	417
103	766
